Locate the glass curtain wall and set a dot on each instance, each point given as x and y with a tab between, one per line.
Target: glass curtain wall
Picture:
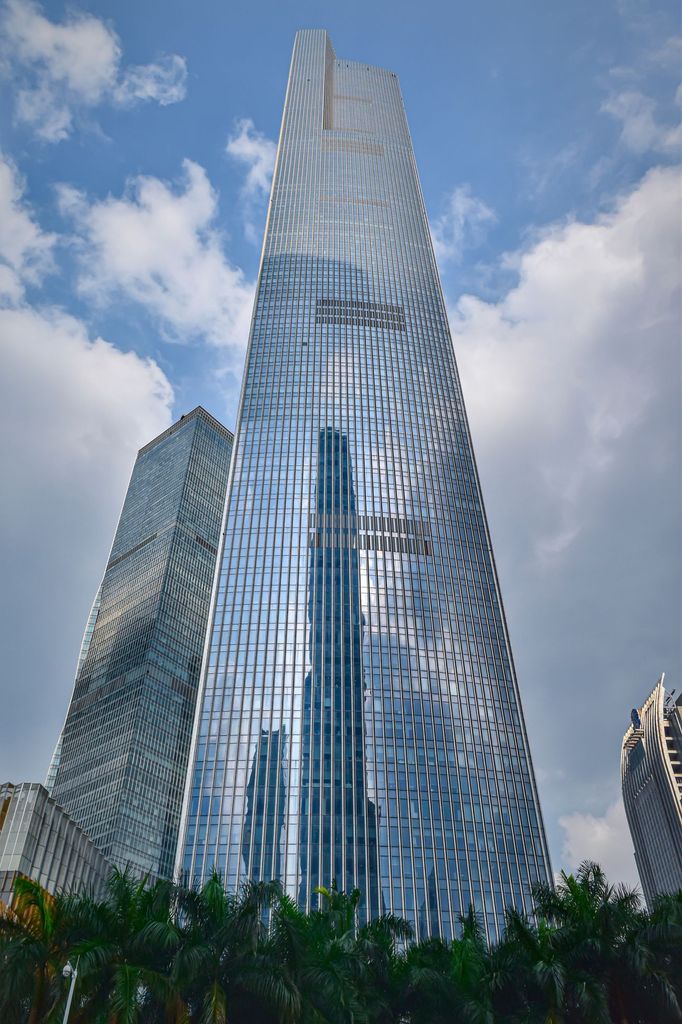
360	719
121	762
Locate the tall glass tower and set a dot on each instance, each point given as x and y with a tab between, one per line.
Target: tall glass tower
121	761
359	719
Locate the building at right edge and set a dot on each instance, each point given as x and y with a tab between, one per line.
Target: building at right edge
651	772
359	719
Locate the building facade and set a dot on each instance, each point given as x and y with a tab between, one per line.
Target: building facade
120	764
39	840
360	719
651	773
82	655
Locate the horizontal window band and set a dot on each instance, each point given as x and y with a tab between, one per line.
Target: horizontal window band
340	540
360	312
354	201
131	551
205	544
352	146
418	528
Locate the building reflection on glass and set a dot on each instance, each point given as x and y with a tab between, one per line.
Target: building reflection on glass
265	803
338	823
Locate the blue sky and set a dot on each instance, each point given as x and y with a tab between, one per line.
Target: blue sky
137	147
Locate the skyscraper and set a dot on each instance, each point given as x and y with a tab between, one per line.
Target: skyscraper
360	719
651	773
120	764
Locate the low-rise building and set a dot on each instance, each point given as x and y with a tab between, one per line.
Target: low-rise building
39	840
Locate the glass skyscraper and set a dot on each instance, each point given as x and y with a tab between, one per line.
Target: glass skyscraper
359	719
651	775
120	765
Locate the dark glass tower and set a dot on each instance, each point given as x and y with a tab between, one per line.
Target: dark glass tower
333	726
359	718
120	766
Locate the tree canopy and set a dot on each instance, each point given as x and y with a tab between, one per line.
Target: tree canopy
166	954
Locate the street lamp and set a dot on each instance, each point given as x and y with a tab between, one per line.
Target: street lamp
69	971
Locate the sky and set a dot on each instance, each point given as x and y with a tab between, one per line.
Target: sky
137	142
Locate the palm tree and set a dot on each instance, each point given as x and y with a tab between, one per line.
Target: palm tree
652	954
125	949
35	944
344	972
317	949
612	972
161	954
539	970
663	932
224	968
465	980
424	984
379	944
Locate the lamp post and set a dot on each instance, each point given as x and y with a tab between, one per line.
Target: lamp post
69	971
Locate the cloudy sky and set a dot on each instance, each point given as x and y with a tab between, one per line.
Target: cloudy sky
137	146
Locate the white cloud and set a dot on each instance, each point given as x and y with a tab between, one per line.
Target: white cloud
60	68
668	54
25	250
542	174
564	370
158	245
89	390
165	82
641	130
601	838
257	153
463	224
571	382
77	409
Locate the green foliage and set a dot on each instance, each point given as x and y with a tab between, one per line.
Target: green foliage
164	954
